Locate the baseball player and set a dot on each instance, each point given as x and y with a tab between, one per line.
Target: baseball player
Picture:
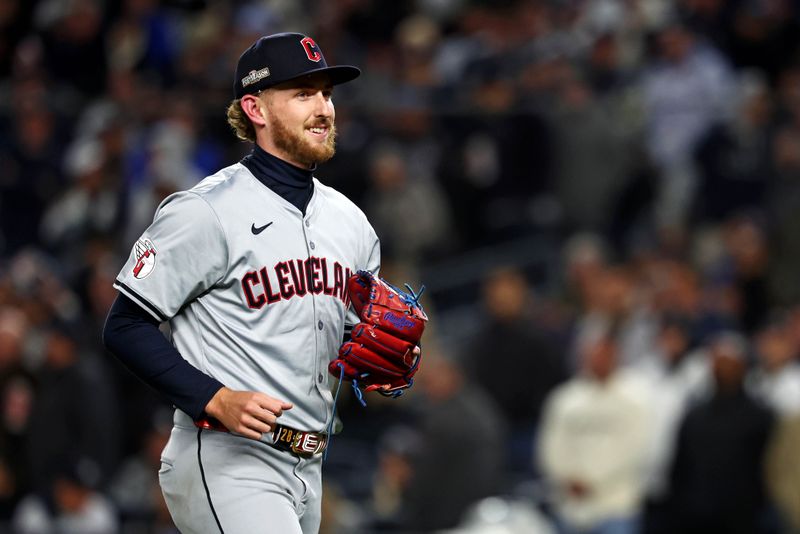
250	270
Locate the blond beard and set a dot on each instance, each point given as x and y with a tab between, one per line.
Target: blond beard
297	147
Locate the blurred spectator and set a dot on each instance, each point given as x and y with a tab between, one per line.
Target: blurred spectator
143	38
595	162
416	39
499	156
758	32
71	505
585	256
339	514
74	413
775	380
40	289
686	92
72	41
679	289
31	172
91	205
734	157
593	443
603	69
16	400
783	200
461	454
614	297
497	515
783	472
134	487
512	360
167	155
717	482
409	212
14	328
748	258
398	448
14	21
10	495
678	374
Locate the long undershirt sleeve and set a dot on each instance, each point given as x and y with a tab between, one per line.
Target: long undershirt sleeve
132	335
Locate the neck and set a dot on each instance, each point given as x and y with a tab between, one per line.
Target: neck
289	181
280	169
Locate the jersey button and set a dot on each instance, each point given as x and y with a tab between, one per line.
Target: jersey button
319	378
308	223
311	244
319	325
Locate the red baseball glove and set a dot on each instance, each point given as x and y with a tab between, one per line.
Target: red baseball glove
383	353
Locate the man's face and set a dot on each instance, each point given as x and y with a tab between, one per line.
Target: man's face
300	121
601	358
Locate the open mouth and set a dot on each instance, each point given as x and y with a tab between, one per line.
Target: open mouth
319	131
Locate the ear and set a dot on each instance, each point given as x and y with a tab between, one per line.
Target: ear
255	109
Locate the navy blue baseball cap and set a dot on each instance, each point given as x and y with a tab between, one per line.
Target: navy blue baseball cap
278	58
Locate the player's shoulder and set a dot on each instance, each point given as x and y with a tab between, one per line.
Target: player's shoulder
339	201
206	193
213	188
220	182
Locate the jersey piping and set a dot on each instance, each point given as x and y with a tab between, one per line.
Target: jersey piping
205	483
141	301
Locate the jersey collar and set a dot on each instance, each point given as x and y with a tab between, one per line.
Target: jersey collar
292	183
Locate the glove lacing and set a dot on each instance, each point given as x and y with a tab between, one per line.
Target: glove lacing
410	298
333	415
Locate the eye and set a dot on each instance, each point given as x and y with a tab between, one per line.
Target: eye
302	94
327	93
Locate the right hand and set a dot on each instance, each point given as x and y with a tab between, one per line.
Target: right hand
248	413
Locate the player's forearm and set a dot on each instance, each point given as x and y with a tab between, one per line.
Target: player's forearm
134	338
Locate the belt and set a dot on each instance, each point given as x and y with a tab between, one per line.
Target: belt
298	442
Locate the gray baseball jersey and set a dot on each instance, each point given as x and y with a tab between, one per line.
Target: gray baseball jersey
254	292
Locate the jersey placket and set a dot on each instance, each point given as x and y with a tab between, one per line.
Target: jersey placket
317	377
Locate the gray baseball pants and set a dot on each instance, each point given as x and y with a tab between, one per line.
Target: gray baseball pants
215	482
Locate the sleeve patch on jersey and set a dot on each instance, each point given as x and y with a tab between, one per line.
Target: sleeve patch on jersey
145	254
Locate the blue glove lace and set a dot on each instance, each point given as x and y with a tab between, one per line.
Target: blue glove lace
333	415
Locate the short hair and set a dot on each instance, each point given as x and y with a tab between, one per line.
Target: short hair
240	123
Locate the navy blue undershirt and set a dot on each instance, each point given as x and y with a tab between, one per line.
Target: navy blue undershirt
292	183
132	334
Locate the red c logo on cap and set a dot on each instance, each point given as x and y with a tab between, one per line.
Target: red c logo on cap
311	48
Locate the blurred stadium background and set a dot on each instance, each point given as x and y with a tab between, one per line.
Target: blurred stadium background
602	196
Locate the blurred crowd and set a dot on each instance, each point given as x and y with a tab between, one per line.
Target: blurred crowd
635	371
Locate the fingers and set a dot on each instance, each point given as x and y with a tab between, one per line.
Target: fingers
260	415
273	405
248	413
258	425
254	426
246	432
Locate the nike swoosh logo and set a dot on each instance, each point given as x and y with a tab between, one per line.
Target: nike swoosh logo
260	229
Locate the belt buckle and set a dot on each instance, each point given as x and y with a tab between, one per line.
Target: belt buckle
307	444
301	443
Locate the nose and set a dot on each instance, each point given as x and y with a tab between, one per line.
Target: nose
323	106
